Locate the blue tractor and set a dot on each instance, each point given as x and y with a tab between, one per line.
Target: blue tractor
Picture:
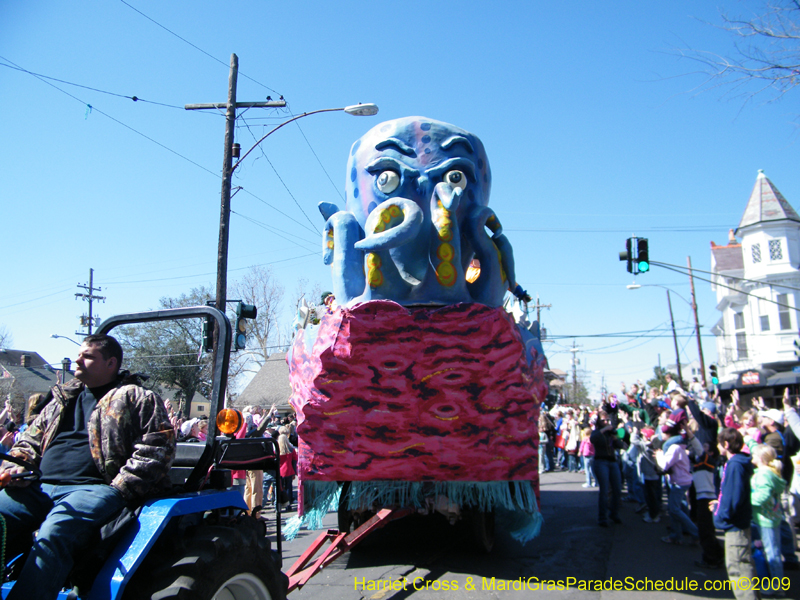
199	542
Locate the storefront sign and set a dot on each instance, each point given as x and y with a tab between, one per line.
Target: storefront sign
751	378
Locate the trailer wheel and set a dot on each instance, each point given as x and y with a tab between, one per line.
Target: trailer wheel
211	562
483	530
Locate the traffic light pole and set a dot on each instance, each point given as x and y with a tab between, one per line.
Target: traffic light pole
675	339
696	322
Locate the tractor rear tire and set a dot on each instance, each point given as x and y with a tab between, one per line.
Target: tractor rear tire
211	562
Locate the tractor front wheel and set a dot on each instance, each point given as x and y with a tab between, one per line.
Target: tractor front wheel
211	562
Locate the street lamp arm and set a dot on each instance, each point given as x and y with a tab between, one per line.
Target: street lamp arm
357	110
53	335
637	286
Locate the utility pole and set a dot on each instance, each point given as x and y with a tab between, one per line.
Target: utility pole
697	323
575	362
88	321
539	308
227	174
675	339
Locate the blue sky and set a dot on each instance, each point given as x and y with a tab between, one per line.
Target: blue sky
594	127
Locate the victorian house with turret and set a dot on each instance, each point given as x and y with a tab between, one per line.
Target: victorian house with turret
757	283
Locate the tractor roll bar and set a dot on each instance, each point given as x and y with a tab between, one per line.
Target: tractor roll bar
220	372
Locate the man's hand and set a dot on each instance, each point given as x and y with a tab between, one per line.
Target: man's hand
6	476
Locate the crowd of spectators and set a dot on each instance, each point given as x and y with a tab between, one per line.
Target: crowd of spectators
702	463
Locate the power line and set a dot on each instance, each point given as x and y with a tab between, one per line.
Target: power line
264	154
93	108
198	48
86	87
712	273
303	225
738	291
271	229
338	191
266	264
681	229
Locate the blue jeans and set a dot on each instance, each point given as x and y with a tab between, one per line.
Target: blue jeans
544	463
771	540
551	456
588	467
679	520
609	480
635	485
67	516
787	541
572	462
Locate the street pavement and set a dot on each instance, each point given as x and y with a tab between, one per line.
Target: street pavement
424	558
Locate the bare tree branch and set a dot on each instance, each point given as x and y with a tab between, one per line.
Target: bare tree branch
6	339
765	53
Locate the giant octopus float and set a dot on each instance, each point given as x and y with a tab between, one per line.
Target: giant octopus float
418	389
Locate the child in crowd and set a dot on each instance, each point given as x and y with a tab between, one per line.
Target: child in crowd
675	463
573	444
651	474
767	486
734	511
587	452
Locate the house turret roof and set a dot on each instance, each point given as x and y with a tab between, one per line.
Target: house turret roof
766	204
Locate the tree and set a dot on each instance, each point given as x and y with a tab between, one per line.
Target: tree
766	52
577	391
169	351
259	288
659	380
6	339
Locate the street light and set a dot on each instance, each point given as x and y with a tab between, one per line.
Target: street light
53	335
636	286
693	306
357	110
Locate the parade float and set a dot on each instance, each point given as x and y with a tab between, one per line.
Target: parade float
415	388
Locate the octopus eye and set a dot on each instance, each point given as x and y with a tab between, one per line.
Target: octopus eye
388	181
456	178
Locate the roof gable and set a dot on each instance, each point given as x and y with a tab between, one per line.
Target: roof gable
13	358
766	204
727	258
270	385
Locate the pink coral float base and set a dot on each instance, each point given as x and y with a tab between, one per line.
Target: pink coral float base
386	392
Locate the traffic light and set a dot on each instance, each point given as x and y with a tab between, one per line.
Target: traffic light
243	312
714	375
642	255
208	334
628	254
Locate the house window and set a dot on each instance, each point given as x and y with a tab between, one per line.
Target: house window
741	345
756	253
741	336
765	323
784	312
775	252
201	408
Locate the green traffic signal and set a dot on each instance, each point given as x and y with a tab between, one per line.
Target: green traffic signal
642	255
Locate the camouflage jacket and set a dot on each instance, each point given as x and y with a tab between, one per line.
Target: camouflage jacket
130	435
